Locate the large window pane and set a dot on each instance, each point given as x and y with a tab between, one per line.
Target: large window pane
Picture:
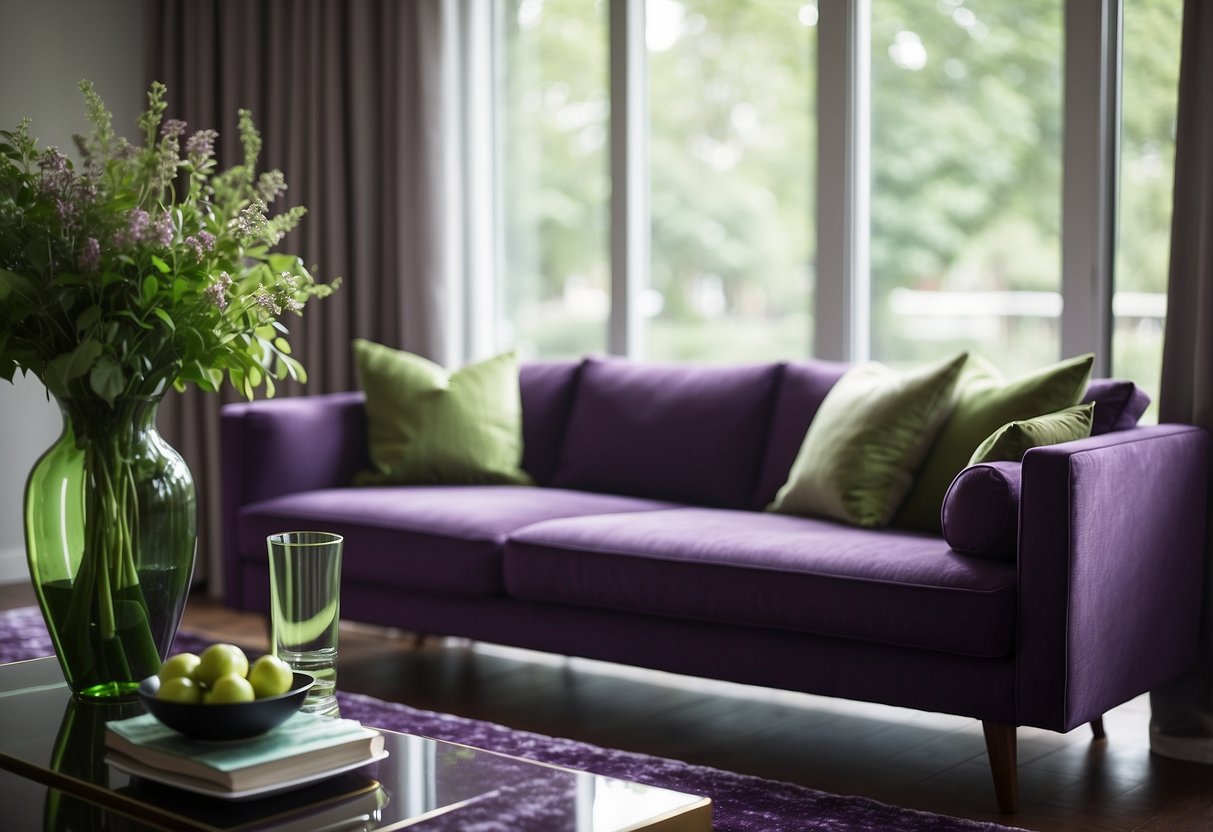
555	281
732	144
1147	169
966	180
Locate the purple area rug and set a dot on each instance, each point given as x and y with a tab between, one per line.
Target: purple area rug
741	803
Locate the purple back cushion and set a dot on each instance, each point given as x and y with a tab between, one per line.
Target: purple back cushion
1118	404
689	433
802	388
980	514
547	392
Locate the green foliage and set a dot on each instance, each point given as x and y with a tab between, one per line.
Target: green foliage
146	268
966	168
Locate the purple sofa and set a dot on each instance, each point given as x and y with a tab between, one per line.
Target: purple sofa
644	542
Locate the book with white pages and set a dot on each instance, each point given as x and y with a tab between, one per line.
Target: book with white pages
299	750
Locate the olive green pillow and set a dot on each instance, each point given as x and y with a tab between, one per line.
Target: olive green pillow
984	402
1011	441
426	425
860	451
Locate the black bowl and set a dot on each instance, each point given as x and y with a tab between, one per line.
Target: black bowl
230	720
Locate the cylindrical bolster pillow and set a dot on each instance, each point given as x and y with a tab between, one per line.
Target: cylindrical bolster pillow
980	514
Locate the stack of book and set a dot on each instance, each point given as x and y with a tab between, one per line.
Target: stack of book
305	748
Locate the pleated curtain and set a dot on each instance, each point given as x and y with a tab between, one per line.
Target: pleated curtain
1181	723
354	101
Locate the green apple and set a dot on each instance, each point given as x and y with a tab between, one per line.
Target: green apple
182	664
230	688
220	660
270	676
180	689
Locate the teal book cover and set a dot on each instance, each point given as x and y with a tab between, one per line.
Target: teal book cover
301	734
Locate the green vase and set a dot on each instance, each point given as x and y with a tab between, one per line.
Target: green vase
111	533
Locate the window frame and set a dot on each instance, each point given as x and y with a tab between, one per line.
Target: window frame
841	304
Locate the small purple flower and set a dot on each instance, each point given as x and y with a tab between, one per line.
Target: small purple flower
90	258
163	230
136	225
201	242
250	223
57	178
172	128
217	291
271	184
201	146
263	298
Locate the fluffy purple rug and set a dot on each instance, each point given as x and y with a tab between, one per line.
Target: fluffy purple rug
741	803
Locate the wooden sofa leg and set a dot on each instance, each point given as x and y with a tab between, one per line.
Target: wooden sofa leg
1097	729
1004	765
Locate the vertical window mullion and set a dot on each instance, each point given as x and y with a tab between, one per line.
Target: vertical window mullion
477	40
630	228
841	309
1090	152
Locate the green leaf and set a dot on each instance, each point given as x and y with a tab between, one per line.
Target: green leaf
179	288
164	316
107	379
283	345
70	366
88	317
11	282
160	264
150	285
283	262
139	322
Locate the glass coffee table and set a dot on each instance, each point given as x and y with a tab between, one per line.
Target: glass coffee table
53	777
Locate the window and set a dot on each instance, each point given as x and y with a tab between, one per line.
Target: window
944	131
966	119
731	90
1147	169
555	206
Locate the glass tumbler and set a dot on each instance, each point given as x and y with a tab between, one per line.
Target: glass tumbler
305	592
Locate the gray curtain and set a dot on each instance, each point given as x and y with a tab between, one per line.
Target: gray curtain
349	100
1181	723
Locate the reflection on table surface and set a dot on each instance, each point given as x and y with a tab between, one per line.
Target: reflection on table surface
48	736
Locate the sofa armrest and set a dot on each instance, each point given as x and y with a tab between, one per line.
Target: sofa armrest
1111	559
282	446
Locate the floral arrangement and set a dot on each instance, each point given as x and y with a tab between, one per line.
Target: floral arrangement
147	267
143	268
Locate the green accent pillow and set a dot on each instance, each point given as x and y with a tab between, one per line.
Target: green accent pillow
428	426
984	402
1011	441
872	430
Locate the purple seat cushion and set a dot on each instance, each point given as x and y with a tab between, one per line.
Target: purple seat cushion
547	393
688	433
803	386
433	538
1118	404
980	513
769	570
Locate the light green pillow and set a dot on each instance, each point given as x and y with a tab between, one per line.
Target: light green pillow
1011	441
984	402
872	430
426	425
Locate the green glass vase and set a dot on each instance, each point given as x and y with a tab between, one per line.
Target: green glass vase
110	532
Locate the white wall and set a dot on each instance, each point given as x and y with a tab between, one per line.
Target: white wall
46	46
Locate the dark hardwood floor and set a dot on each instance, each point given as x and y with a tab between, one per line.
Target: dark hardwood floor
909	758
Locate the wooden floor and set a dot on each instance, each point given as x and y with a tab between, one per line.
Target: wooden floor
903	757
